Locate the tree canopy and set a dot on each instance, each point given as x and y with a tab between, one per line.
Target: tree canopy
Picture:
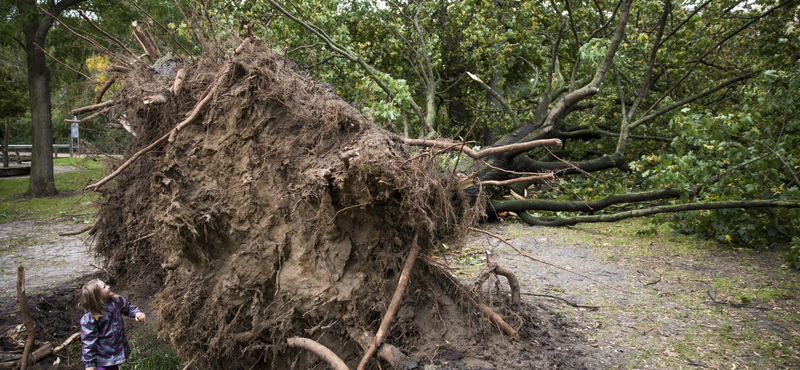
660	106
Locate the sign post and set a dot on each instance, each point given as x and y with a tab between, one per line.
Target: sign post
75	136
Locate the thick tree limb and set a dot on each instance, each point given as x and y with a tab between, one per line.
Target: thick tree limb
604	162
591	206
567	221
394	305
331	358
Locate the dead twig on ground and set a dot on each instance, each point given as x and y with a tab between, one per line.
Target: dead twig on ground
564	300
394	305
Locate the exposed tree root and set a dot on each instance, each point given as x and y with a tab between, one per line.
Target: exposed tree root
389	353
326	354
498	320
170	135
394	305
493	267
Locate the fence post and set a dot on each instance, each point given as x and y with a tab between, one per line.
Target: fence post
5	145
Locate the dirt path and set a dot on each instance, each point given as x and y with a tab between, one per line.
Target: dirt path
49	259
693	304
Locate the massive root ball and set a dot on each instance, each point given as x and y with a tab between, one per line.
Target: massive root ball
281	211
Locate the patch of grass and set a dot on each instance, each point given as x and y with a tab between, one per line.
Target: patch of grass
152	356
70	202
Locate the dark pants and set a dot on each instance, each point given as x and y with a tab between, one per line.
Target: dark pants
115	367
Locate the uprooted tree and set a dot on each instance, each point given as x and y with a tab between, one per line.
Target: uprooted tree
282	217
280	213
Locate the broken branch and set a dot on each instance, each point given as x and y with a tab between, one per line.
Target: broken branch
78	232
91	108
26	317
147	42
107	85
89	118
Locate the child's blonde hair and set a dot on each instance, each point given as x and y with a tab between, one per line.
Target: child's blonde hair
90	298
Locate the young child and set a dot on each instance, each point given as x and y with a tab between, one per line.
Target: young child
102	329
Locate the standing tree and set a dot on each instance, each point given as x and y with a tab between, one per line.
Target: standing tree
35	27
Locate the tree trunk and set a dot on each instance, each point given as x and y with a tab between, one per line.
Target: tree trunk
42	182
35	27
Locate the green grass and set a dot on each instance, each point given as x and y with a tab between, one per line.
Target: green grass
71	202
153	355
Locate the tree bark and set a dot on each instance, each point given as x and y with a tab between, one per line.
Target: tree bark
35	28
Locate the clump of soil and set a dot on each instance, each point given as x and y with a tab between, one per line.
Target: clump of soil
281	212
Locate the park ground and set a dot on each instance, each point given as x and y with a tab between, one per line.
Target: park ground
637	296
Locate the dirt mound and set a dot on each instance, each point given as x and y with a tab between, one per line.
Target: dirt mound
281	211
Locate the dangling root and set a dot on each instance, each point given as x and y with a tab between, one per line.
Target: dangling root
393	306
331	358
493	267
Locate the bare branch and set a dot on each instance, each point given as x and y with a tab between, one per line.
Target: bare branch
510	111
91	108
64	64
